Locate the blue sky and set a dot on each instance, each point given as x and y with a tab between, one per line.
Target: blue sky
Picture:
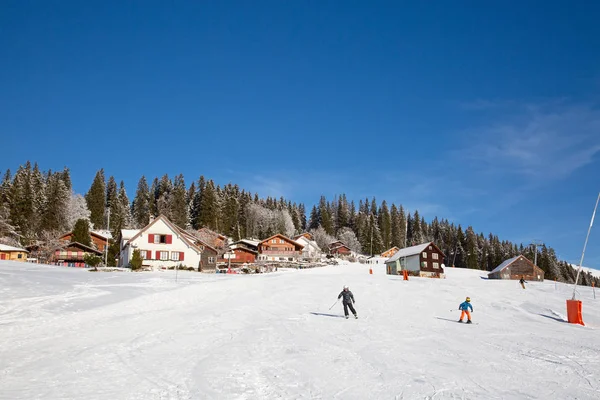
486	114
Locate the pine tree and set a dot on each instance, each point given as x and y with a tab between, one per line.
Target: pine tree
472	250
343	213
313	220
96	200
417	232
81	233
385	224
141	204
178	203
209	213
112	203
54	216
325	220
22	210
197	204
302	213
121	211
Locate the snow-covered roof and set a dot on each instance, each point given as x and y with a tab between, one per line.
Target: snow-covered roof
409	251
105	234
505	264
5	247
253	243
129	233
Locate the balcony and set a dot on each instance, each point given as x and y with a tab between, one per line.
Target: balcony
283	253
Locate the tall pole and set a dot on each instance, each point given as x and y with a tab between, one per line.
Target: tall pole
106	247
372	239
584	246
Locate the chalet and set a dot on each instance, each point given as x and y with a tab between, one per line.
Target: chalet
73	255
389	253
516	268
422	260
13	253
279	248
339	248
311	250
162	244
240	254
100	239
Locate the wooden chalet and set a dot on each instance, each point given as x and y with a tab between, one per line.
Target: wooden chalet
516	268
73	255
339	248
99	240
424	260
279	248
212	238
389	253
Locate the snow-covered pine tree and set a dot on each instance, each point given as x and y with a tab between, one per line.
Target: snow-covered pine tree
348	237
77	210
96	200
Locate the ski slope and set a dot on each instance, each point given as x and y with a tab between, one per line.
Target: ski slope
72	334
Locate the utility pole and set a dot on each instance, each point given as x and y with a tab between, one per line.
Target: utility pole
372	239
106	246
535	244
584	246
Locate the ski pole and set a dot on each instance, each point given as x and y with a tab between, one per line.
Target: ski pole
334	304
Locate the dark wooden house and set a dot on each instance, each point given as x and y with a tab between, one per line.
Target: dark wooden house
424	260
516	268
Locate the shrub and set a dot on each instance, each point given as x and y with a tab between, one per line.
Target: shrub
136	261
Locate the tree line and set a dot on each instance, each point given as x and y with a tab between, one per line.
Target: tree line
37	205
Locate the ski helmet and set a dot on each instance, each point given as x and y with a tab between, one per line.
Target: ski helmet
345	286
468	299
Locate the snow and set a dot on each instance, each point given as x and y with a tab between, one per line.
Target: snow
68	333
5	247
594	272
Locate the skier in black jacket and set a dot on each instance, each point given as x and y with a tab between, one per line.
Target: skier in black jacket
347	301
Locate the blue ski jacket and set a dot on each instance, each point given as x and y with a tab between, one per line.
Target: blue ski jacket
464	306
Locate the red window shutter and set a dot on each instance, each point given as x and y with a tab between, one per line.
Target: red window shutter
169	239
181	256
158	255
149	254
150	238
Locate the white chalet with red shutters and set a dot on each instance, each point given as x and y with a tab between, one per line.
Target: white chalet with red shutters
161	244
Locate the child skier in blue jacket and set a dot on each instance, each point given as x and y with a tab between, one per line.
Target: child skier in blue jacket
464	308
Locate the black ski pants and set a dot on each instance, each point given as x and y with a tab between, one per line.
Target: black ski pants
349	305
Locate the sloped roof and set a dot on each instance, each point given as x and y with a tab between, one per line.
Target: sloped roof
505	264
129	233
5	247
82	246
102	233
181	233
253	243
409	251
279	235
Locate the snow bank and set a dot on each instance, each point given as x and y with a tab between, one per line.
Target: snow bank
66	333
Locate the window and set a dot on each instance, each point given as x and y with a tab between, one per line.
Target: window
436	265
212	260
430	248
143	254
164	255
175	256
281	241
19	255
424	255
424	264
160	239
274	241
435	256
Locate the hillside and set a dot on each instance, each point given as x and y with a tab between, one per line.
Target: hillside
67	333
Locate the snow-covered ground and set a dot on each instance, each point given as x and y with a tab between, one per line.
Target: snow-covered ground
72	334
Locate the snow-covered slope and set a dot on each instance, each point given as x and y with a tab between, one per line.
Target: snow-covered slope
73	334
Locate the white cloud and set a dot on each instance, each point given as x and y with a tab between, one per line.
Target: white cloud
543	142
